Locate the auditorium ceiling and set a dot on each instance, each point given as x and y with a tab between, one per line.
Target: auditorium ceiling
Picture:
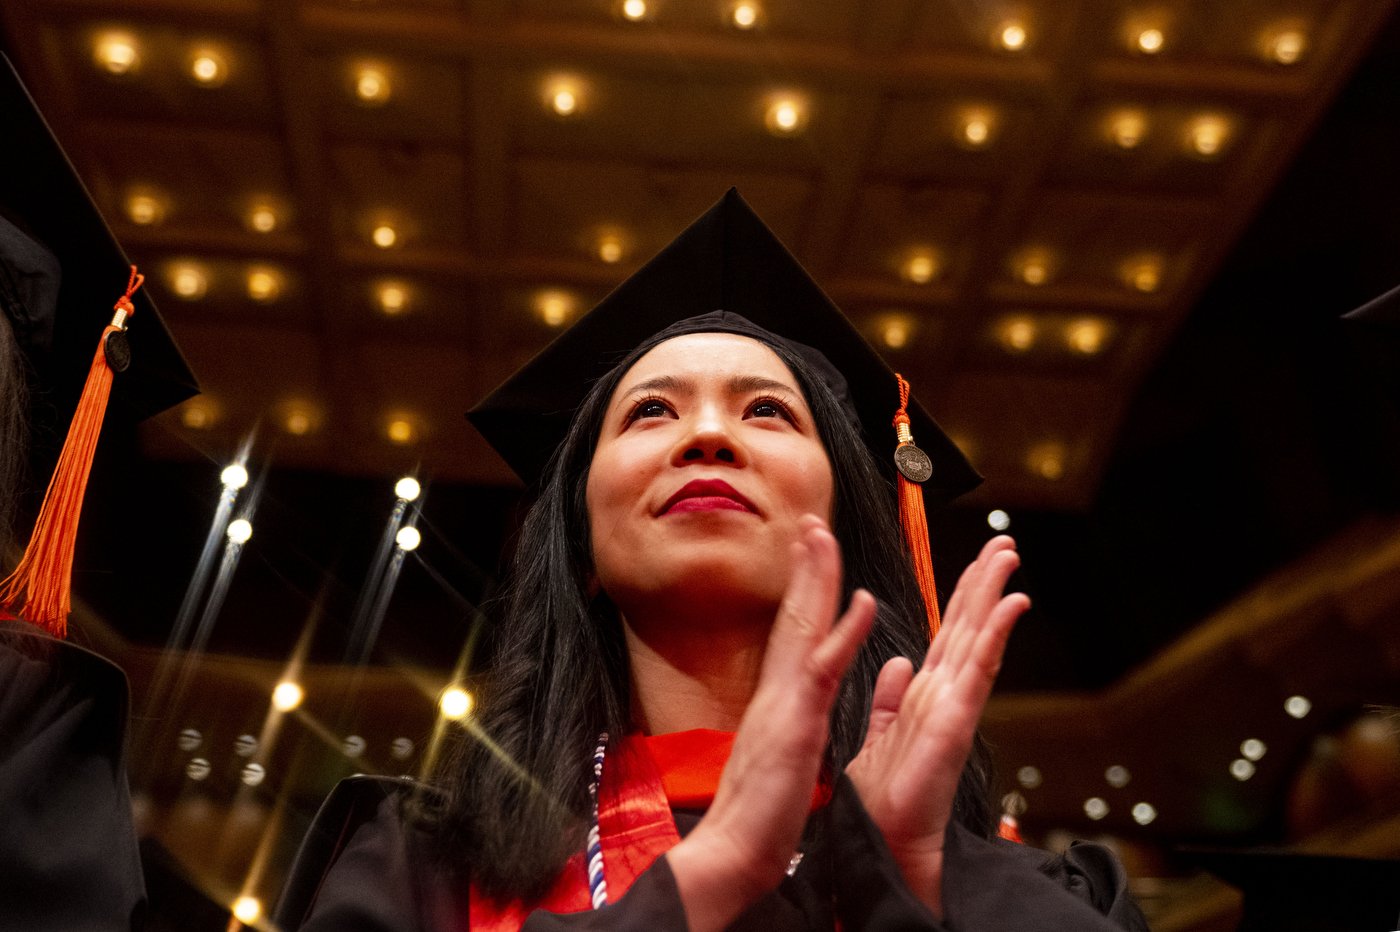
359	216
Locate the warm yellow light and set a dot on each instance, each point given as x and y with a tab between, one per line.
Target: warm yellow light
785	116
1287	47
384	236
1017	334
634	9
1086	336
408	489
144	209
1034	266
745	15
1150	40
234	477
298	422
287	696
196	415
264	285
895	333
1126	128
1013	36
262	218
208	69
399	431
610	249
1142	273
921	268
240	531
247	909
188	281
976	131
564	102
408	538
1207	135
1047	460
455	703
554	307
116	54
392	298
372	86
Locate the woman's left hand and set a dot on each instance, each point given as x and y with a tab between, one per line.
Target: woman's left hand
922	725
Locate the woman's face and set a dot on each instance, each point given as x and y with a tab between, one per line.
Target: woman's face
707	459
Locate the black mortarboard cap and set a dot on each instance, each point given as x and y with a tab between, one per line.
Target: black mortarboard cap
61	270
1286	891
727	261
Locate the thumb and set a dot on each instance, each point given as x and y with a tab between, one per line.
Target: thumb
890	687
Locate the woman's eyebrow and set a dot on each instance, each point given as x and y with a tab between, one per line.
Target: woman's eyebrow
743	384
664	383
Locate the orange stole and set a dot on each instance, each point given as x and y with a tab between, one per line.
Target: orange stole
634	819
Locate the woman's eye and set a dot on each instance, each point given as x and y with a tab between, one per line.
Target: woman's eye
767	409
651	409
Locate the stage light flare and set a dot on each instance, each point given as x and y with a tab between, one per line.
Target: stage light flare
895	333
198	414
1253	749
1297	706
145	209
197	769
999	520
262	218
1144	813
554	307
384	236
399	431
245	746
1241	769
455	703
1047	460
353	746
287	696
408	489
1086	336
1208	134
1095	808
610	249
1029	777
1151	40
634	10
745	16
1117	776
247	909
1127	127
240	531
234	476
401	748
253	774
408	538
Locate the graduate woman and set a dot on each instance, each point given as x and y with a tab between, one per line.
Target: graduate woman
714	701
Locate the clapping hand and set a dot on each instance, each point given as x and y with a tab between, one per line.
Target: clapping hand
922	724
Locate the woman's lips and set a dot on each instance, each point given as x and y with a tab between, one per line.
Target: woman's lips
705	503
707	495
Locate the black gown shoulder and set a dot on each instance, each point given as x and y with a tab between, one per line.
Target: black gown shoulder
362	870
68	853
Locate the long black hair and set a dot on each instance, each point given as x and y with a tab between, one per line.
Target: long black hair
516	807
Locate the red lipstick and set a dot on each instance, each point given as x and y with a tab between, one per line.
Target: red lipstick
707	495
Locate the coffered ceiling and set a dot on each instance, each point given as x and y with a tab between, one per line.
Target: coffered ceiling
360	216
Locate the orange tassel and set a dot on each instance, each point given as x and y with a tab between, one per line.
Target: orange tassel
912	517
45	574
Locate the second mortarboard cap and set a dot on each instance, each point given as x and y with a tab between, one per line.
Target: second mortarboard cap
68	292
728	272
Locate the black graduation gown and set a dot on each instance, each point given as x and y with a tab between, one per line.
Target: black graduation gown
68	852
360	870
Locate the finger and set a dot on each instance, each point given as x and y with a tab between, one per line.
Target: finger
835	653
981	603
976	678
809	603
958	605
890	686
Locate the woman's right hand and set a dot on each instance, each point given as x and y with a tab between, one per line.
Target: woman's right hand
742	847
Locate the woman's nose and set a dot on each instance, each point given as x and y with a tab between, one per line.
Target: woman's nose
710	440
